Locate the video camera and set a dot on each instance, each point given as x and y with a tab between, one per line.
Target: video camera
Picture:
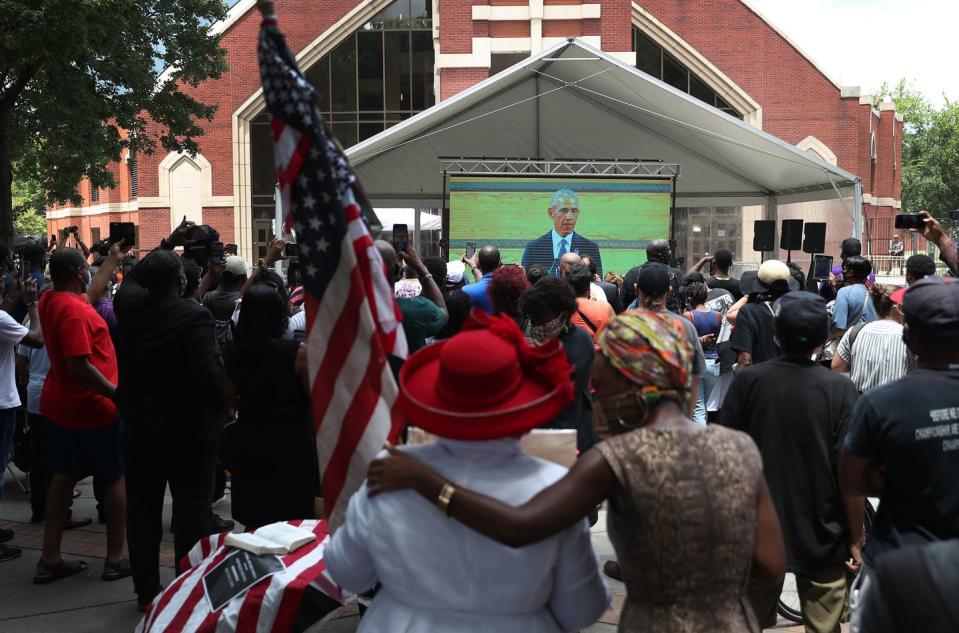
198	244
65	233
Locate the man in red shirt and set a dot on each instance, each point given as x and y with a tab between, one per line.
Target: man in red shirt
83	433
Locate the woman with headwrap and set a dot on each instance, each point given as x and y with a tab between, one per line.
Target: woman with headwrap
690	516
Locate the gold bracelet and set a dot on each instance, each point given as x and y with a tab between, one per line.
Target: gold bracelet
444	498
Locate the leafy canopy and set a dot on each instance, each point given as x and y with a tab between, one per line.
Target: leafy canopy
74	73
930	150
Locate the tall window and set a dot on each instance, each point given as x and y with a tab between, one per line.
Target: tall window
94	193
653	60
134	176
375	78
379	75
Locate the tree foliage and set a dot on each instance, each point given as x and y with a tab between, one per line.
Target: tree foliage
930	150
74	73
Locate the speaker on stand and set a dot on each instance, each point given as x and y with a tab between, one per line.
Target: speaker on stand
764	236
791	238
814	243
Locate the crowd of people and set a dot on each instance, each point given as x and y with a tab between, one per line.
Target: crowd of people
733	428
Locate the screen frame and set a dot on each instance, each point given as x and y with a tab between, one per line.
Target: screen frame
448	174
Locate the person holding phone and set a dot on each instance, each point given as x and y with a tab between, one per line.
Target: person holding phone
423	316
485	262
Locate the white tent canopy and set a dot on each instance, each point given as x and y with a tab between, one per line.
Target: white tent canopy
573	101
390	216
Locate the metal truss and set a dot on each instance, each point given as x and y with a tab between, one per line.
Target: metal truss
559	167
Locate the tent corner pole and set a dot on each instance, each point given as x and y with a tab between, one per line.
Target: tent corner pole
772	213
672	221
857	211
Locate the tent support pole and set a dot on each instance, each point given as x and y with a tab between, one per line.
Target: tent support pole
772	213
538	153
672	220
857	211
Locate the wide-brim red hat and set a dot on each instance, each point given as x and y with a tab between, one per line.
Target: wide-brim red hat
485	383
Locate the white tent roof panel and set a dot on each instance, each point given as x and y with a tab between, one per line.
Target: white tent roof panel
575	102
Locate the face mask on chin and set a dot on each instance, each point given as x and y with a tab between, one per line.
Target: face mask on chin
548	330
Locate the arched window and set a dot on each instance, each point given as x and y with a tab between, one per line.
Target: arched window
653	60
375	78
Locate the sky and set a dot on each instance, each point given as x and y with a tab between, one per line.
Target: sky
865	42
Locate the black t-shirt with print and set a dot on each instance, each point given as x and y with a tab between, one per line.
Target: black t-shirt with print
728	283
754	332
911	427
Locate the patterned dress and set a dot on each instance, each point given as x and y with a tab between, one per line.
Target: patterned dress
683	525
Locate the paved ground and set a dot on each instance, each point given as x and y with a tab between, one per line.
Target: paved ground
85	604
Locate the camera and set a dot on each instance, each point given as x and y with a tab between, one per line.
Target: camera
198	244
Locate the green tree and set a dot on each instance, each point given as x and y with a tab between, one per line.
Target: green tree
930	150
74	73
30	223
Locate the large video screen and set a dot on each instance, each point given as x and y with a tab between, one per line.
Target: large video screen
534	220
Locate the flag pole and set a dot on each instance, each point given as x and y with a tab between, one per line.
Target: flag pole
267	8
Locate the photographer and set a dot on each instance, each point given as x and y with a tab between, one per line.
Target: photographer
934	232
170	394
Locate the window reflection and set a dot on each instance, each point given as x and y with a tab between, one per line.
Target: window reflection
653	60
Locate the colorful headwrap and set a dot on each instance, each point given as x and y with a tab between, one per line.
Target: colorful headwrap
652	350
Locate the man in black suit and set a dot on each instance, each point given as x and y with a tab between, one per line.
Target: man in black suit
561	239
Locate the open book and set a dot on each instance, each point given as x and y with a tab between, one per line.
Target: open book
275	538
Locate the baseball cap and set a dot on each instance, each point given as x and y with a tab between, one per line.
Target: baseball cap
235	265
897	296
933	303
768	274
801	317
454	272
851	246
653	279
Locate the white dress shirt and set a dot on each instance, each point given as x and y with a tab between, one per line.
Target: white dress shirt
438	575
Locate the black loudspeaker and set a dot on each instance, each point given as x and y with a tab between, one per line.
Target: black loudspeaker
815	241
791	238
764	235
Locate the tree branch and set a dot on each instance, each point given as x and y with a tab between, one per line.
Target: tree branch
10	95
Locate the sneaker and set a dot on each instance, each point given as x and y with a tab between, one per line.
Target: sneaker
5	535
219	524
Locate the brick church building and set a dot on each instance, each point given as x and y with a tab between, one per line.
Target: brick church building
378	62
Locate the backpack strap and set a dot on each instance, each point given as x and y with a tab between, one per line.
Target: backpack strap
587	321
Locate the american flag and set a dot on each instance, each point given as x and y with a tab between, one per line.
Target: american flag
352	319
268	605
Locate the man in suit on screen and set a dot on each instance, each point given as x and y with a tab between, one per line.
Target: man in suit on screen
562	238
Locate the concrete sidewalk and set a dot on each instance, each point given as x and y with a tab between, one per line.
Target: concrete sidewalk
85	604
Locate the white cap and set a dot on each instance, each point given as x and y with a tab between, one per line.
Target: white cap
236	265
454	272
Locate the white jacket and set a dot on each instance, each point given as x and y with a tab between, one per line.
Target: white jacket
438	575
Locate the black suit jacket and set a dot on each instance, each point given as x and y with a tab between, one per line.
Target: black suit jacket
540	251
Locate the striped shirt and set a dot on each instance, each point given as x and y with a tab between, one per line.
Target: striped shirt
878	354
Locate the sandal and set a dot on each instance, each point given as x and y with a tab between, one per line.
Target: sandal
116	571
47	573
611	569
73	524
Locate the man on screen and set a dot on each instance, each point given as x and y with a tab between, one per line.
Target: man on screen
548	249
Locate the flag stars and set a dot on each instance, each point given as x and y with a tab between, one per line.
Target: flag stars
309	202
311	270
322	245
316	223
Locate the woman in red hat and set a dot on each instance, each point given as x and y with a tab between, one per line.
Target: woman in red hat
682	498
479	391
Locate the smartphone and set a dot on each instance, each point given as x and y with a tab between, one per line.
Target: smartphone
217	253
290	249
125	231
910	221
470	249
231	249
821	267
401	236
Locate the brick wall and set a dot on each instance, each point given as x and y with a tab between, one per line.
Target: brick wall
797	99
